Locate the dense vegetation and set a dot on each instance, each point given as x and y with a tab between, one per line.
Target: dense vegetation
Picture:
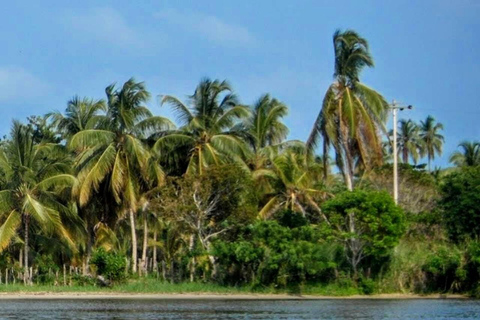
106	192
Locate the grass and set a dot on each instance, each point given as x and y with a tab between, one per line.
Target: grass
149	285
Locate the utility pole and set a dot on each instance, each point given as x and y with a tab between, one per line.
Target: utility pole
395	107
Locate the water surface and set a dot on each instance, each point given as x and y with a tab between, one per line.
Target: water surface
228	309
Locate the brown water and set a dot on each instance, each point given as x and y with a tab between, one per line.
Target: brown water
228	309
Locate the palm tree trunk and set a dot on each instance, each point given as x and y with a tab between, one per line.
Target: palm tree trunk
155	264
193	260
89	250
325	162
134	241
145	241
26	275
405	155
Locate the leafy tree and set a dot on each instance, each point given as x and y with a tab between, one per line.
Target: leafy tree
368	222
432	139
114	153
33	176
469	156
209	205
352	113
269	253
459	203
207	134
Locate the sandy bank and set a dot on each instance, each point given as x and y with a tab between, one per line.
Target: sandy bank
208	296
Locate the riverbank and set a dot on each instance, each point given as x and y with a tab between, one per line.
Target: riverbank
149	288
209	296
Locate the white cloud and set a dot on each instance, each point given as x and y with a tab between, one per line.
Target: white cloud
105	24
18	84
210	27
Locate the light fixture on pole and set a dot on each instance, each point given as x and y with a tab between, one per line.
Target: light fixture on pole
395	107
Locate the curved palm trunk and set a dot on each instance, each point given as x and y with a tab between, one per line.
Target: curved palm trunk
134	241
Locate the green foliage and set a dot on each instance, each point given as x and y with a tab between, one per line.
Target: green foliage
460	204
270	254
443	268
291	219
367	285
46	269
110	265
370	217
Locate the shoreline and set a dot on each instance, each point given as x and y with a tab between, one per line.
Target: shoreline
210	296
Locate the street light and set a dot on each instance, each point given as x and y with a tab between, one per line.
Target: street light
395	107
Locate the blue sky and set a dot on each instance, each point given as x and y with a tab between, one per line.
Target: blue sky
426	54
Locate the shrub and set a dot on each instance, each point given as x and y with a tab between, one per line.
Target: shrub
443	268
46	269
109	265
460	199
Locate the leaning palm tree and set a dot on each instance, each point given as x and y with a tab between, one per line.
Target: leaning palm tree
289	184
113	154
432	139
352	113
207	133
408	140
80	114
34	175
469	156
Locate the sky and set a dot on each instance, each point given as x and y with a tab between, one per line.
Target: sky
426	54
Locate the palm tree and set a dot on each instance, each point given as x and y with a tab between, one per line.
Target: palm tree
408	140
352	113
288	184
432	139
114	154
33	177
265	125
207	133
469	156
265	132
80	114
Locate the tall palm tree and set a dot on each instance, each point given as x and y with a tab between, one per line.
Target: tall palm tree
265	125
469	156
432	139
288	184
352	113
113	153
80	114
33	176
207	132
408	140
266	133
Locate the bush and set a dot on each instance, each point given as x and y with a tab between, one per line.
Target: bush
443	269
270	254
367	285
46	269
109	265
460	199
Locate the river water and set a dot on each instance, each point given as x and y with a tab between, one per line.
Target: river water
229	309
